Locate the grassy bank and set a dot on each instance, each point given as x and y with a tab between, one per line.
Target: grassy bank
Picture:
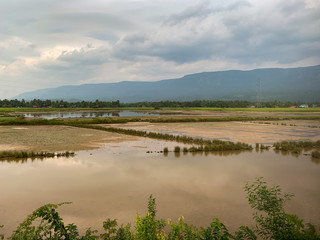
245	109
21	121
229	119
6	118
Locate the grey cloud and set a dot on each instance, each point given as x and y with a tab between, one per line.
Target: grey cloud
13	48
106	36
250	37
203	10
291	7
196	11
82	21
84	57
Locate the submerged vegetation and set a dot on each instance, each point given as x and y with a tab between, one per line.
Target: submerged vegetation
296	146
205	144
214	145
271	222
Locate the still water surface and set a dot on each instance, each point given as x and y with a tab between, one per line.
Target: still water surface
108	184
91	114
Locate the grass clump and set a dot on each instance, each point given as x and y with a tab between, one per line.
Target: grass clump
315	154
177	149
296	146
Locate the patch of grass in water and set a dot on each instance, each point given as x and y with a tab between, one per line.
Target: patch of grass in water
24	154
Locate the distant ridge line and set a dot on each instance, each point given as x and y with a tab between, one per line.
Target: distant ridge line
282	84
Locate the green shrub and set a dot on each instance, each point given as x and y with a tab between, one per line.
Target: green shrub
272	222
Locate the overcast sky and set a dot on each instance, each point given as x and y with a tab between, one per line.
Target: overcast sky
49	43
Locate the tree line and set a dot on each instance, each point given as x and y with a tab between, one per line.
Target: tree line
37	103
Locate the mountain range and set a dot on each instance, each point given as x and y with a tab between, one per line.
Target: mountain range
269	84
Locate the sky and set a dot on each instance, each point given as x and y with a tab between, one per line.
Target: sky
50	43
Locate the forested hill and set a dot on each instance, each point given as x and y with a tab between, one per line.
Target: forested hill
291	84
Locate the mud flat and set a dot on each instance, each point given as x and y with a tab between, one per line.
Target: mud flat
56	138
247	132
66	138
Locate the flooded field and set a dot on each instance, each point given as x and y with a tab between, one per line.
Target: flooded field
112	174
111	183
158	113
248	132
92	114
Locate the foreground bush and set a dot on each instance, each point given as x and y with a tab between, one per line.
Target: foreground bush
272	222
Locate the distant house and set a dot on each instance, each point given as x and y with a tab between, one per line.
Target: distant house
304	106
250	106
293	106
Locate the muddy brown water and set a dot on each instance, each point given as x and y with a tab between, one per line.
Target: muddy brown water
109	183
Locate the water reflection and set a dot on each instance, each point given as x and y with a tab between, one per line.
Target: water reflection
28	160
315	160
94	114
199	186
102	186
178	154
21	160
